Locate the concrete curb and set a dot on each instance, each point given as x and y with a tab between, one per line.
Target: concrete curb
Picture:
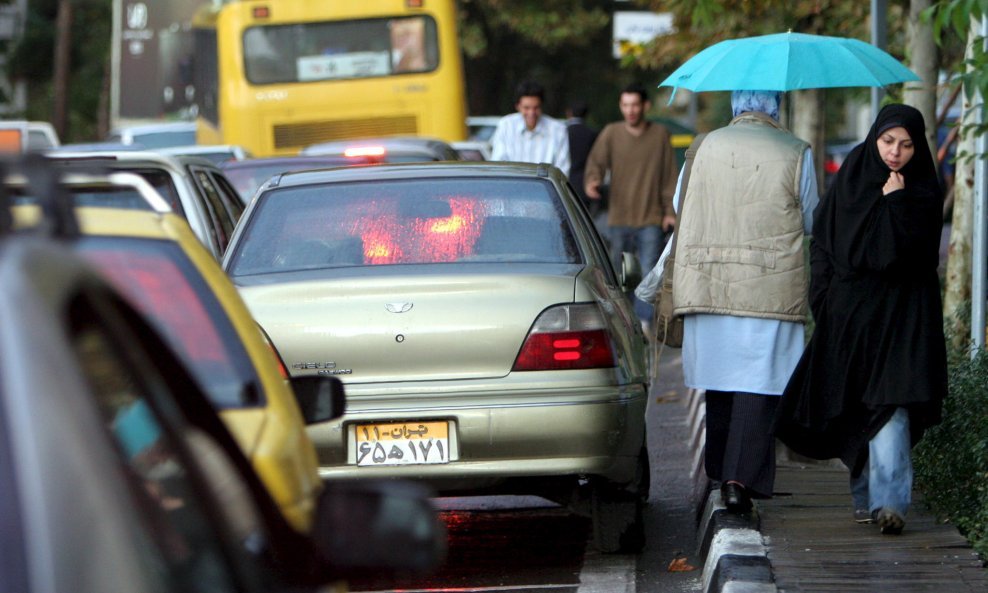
734	552
735	557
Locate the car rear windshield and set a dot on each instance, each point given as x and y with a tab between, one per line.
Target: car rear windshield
420	221
162	283
102	196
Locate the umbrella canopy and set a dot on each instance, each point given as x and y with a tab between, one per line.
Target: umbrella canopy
788	61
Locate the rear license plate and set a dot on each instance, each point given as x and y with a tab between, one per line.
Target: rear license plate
402	443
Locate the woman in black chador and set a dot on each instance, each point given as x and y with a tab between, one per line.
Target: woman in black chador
874	374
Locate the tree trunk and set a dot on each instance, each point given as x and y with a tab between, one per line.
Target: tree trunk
924	61
103	117
808	123
63	48
957	292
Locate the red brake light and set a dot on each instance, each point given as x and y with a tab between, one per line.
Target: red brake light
360	151
567	337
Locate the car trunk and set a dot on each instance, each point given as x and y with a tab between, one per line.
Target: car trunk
407	328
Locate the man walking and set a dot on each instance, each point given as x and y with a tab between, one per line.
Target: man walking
528	136
740	281
638	153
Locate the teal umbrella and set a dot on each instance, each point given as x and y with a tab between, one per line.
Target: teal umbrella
788	61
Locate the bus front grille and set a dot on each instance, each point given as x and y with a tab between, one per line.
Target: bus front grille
300	135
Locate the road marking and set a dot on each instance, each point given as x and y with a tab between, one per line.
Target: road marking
607	573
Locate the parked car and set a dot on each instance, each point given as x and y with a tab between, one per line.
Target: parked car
216	153
396	149
194	188
154	260
473	150
116	474
481	127
247	175
472	311
20	136
155	135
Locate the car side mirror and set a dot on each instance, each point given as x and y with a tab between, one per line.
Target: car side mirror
319	398
631	271
378	529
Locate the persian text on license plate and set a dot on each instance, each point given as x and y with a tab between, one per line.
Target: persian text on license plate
401	443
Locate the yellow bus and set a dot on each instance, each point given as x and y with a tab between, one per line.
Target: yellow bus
275	76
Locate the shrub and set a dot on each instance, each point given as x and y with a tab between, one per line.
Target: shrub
952	458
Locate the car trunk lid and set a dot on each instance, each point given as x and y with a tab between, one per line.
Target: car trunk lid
413	328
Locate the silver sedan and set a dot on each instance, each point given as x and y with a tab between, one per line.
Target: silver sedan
486	342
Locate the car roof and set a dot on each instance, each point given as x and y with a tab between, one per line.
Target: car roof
171	126
153	199
132	157
329	160
425	170
195	149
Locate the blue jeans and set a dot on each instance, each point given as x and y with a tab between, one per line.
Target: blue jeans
646	242
887	479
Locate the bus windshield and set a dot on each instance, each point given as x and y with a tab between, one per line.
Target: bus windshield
365	48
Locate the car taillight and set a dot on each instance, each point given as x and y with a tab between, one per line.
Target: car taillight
567	337
830	166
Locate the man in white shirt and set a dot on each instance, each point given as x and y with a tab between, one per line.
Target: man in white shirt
528	136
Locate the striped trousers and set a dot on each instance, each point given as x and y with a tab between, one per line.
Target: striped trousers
739	446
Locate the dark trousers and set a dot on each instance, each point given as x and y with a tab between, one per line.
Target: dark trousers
739	447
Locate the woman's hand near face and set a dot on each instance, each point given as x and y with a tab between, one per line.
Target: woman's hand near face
895	182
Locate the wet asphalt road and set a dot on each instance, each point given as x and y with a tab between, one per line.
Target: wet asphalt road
508	544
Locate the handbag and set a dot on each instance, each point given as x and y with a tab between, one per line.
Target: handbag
668	326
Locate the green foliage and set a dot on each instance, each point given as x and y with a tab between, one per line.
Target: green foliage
700	23
32	60
951	461
951	19
564	44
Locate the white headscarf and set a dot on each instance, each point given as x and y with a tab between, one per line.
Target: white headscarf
766	102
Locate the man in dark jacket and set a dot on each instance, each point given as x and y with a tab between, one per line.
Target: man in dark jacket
581	137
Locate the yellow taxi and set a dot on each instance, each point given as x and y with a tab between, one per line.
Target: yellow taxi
159	264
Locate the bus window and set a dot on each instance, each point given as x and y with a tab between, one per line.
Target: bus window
340	49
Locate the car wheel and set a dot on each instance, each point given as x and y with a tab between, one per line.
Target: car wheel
616	515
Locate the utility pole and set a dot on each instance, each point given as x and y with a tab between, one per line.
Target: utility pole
63	54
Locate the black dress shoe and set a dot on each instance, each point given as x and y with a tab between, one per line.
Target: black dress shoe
735	498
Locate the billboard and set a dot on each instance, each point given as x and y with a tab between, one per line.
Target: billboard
633	29
152	60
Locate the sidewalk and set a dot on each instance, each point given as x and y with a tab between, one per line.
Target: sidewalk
805	540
